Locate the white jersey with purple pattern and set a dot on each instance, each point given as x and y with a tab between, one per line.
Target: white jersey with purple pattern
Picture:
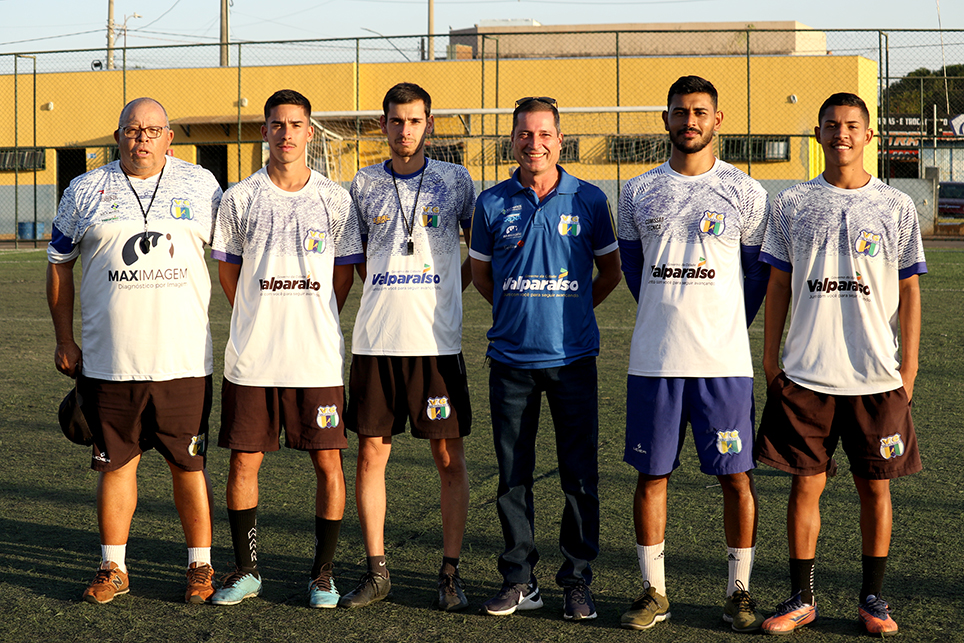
690	321
846	251
411	304
145	315
285	329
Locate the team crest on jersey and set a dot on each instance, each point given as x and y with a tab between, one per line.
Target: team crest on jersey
868	243
728	442
713	223
892	446
198	445
569	225
181	209
315	241
430	216
327	417
438	408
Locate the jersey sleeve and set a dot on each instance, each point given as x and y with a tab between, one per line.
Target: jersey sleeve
357	195
345	230
62	247
776	249
603	229
481	237
227	243
467	190
910	260
754	216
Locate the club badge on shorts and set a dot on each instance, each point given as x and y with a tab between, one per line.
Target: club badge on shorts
728	442
327	417
438	408
198	445
892	446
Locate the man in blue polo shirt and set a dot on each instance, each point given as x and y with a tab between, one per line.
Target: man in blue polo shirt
535	238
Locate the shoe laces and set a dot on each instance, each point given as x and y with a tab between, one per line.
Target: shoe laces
644	601
744	603
323	580
450	583
876	607
103	577
231	579
508	591
577	594
200	575
789	605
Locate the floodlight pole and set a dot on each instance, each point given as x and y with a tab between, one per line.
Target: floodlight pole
431	29
225	34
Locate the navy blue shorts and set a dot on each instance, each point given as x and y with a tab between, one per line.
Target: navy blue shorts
720	410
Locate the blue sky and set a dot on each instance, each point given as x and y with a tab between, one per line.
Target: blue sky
43	24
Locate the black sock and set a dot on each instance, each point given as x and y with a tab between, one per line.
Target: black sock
873	579
801	578
449	565
326	539
244	538
376	565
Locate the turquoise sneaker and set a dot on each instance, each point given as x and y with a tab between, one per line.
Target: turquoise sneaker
236	587
322	591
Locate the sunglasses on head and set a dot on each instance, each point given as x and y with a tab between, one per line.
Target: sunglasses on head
539	99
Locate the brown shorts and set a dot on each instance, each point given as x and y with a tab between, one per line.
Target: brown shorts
800	429
432	392
131	417
252	418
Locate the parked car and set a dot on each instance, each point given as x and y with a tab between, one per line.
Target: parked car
950	200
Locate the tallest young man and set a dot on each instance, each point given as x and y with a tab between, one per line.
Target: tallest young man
690	232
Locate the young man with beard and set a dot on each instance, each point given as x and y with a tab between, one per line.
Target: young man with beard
407	363
286	239
846	249
690	232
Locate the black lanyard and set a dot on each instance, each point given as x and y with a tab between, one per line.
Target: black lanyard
145	242
409	225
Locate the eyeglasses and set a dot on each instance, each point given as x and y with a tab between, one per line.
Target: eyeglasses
540	99
135	132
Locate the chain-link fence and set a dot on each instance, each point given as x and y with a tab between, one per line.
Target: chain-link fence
611	88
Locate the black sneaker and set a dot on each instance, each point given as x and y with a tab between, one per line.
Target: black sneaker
371	588
578	600
514	596
451	597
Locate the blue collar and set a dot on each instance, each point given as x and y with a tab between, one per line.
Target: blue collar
387	166
568	184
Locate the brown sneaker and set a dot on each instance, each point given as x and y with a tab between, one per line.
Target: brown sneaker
107	584
199	586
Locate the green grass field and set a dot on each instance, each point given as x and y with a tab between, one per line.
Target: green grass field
49	544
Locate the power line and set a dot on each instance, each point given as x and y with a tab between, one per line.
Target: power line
65	35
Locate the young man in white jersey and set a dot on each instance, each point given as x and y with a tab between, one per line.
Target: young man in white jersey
846	250
139	226
407	363
287	240
689	236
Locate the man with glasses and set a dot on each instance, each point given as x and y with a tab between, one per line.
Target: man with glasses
140	225
535	239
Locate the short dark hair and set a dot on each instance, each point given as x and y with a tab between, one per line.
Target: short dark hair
405	93
536	105
845	99
692	85
286	97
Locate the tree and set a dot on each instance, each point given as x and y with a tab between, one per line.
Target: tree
905	94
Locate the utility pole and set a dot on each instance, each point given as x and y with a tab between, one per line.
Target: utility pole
110	34
225	34
431	30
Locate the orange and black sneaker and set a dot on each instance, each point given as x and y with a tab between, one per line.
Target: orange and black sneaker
108	582
874	614
200	587
791	614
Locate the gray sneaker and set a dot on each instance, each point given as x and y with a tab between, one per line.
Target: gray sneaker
646	611
371	588
512	597
451	596
579	603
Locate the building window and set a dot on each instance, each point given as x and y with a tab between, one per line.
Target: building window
763	149
451	153
651	148
22	158
568	154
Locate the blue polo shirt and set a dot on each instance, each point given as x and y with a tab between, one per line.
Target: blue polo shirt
542	263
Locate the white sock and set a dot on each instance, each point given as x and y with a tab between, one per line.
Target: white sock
651	565
198	555
739	563
116	554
